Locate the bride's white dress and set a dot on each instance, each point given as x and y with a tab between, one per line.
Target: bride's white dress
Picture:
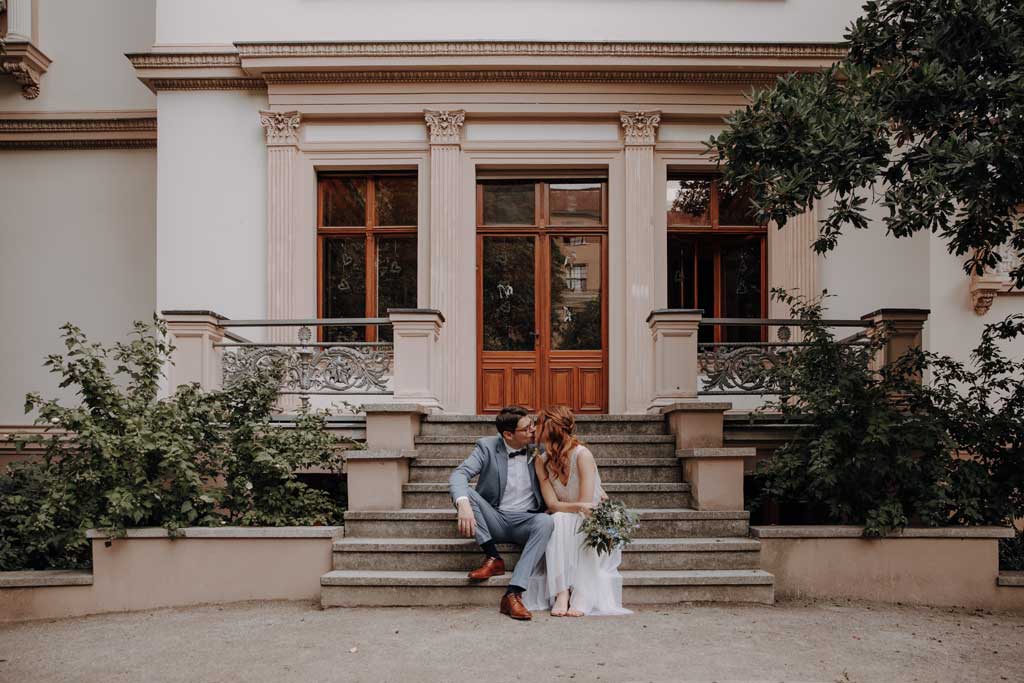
594	579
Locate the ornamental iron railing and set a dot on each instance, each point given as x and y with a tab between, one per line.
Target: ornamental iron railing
312	367
741	367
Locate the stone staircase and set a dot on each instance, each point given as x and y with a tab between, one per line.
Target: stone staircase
414	556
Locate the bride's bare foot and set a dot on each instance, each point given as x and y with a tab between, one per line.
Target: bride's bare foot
561	606
573	613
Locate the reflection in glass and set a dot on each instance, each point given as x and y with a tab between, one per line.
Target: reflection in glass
508	294
706	287
576	203
343	201
396	200
735	207
741	286
344	283
508	202
682	283
689	201
396	277
576	293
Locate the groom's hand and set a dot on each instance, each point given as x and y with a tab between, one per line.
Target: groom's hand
467	522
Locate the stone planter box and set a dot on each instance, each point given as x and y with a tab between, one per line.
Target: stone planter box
948	566
147	569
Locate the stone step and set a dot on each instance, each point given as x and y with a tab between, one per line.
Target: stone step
613	470
463	554
342	588
440	523
601	445
483	425
632	495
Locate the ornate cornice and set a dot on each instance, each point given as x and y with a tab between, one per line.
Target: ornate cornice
207	84
445	127
986	287
640	127
175	60
26	64
533	48
521	76
74	130
282	128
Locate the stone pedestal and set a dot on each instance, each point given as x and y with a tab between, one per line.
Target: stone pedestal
715	476
418	370
675	368
195	358
905	327
376	475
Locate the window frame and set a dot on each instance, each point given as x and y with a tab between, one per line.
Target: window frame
369	230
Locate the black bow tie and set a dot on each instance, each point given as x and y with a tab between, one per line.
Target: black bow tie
516	454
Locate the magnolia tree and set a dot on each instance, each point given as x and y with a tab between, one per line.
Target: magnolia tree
926	111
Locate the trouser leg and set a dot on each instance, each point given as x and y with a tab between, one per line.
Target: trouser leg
490	526
532	531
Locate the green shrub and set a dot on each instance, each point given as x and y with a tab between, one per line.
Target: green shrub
124	457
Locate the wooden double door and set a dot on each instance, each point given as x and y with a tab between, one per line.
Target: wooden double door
542	319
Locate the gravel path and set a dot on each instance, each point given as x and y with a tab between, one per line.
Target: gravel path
282	641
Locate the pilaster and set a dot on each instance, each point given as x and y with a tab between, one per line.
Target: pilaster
448	254
640	135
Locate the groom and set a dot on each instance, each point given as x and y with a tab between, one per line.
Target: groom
506	506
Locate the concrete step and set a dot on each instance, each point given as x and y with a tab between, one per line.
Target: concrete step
601	445
632	495
440	523
613	470
341	588
463	554
483	425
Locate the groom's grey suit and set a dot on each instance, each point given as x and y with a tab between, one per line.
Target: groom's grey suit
530	529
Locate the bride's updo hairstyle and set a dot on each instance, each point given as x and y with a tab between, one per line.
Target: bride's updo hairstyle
560	439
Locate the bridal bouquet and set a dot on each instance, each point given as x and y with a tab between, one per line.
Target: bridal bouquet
609	527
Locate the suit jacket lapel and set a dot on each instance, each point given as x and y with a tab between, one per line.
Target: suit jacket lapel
502	454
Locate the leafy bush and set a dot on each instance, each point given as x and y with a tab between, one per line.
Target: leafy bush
123	457
880	448
1011	553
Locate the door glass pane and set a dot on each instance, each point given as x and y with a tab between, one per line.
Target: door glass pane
344	201
576	203
735	207
396	277
681	276
508	298
688	201
741	286
706	287
508	202
396	200
344	285
576	293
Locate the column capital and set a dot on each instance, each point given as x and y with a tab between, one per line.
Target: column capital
445	126
282	128
640	127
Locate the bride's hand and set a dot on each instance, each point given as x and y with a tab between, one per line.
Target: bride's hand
586	509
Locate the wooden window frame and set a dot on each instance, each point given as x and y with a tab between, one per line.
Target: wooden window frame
716	230
370	230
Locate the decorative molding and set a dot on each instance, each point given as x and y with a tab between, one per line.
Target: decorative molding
523	76
26	64
71	130
176	60
282	128
445	127
532	48
640	127
986	287
158	84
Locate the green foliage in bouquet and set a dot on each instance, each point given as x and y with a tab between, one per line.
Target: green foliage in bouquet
122	456
610	526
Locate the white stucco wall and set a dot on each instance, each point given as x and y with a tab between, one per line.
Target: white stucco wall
226	21
78	245
211	212
87	42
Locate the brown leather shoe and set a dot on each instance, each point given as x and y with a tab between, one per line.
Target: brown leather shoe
512	605
492	566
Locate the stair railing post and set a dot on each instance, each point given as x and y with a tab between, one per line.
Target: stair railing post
196	358
674	336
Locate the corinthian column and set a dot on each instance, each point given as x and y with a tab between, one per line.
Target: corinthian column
282	130
640	132
450	257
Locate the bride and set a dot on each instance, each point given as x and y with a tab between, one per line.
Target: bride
575	580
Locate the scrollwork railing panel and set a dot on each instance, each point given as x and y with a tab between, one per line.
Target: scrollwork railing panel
737	368
335	369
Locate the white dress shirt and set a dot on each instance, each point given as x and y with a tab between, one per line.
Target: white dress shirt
518	493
